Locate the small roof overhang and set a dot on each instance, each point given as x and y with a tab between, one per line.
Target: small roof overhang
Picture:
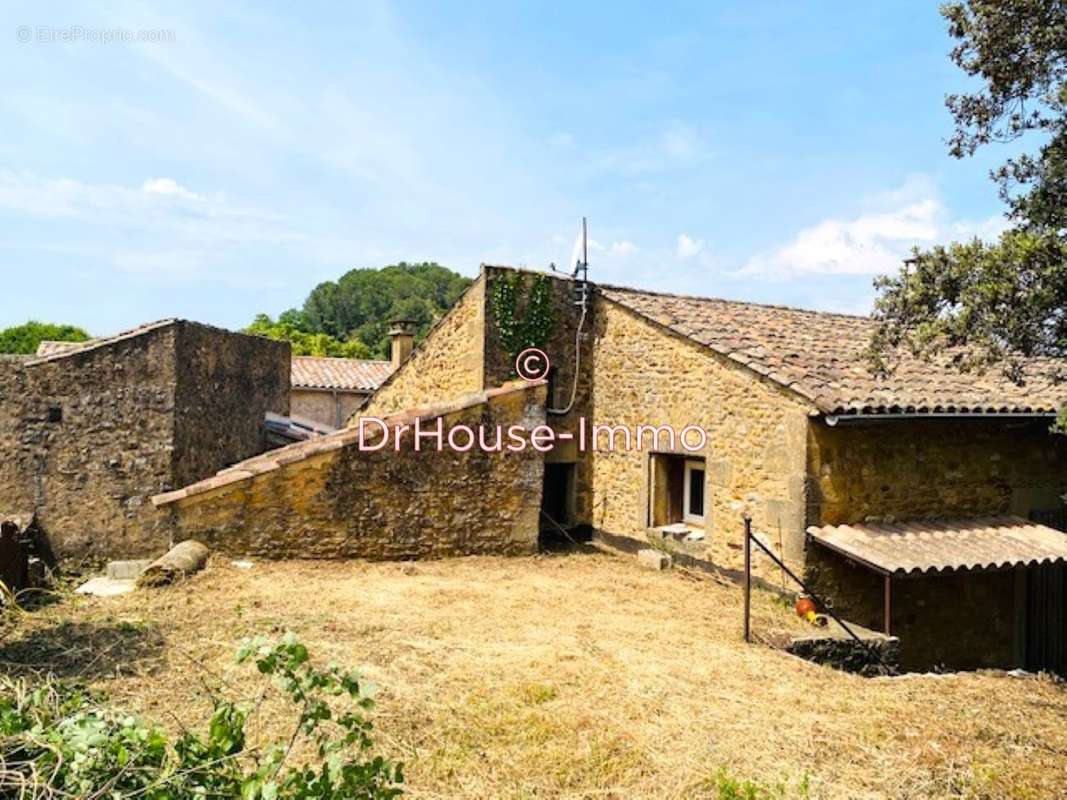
932	547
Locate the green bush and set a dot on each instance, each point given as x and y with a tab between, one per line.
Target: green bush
25	338
61	740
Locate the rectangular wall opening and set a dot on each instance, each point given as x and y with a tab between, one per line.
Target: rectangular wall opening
678	492
557	502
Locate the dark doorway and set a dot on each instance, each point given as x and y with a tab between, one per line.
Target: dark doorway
1046	623
557	502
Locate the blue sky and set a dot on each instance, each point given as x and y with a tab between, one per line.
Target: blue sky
771	151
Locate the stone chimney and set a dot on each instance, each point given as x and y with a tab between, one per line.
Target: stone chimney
402	334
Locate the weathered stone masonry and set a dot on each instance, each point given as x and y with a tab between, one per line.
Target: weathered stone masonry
88	436
644	375
327	498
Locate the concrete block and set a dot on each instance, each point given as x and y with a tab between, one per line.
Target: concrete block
127	570
653	559
106	587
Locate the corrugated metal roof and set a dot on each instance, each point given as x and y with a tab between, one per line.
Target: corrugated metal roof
945	545
345	374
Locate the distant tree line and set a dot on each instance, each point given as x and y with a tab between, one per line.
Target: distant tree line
25	338
350	317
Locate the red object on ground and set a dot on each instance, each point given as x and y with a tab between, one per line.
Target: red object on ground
804	606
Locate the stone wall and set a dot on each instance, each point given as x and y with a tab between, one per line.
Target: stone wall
87	439
755	458
935	468
560	349
226	382
447	363
89	436
325	406
328	499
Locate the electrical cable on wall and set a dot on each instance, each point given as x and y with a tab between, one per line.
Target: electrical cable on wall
581	265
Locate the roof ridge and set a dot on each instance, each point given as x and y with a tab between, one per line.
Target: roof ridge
751	303
347	358
682	296
104	341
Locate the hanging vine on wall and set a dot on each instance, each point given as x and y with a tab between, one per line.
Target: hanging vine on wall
532	325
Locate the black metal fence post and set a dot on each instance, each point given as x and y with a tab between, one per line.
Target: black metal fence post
748	576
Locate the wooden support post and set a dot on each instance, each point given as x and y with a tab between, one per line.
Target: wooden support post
748	576
887	605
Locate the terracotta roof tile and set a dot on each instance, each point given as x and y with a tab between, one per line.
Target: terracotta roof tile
345	374
948	545
822	357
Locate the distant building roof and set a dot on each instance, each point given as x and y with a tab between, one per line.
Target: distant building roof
50	348
92	344
341	374
823	358
947	545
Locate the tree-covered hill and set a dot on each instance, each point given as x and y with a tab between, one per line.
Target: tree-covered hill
350	316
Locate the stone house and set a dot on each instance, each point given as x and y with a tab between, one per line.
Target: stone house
330	390
90	432
799	434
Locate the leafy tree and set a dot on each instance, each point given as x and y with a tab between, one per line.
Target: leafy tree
360	304
25	338
1006	300
286	329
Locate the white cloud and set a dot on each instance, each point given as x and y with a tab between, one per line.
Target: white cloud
688	247
168	186
872	243
623	248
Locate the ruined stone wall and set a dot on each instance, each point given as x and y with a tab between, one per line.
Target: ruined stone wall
87	439
344	503
447	363
226	382
960	621
936	468
17	463
755	458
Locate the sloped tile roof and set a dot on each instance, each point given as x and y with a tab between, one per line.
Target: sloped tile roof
343	374
947	545
822	357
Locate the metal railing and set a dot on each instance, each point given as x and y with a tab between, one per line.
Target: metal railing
751	539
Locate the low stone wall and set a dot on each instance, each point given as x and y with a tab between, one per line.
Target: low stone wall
327	498
874	653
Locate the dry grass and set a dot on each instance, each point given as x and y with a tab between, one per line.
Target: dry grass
567	676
